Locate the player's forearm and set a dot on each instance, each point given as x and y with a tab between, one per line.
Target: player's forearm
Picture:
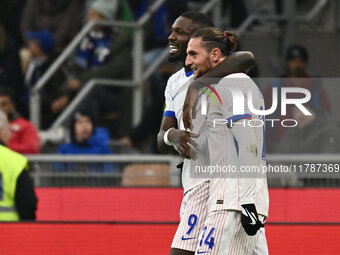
167	123
242	61
247	150
162	147
238	62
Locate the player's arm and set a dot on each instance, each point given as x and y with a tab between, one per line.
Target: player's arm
241	61
242	131
247	152
170	137
238	62
247	156
167	123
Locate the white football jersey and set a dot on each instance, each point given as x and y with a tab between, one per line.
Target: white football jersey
175	93
227	193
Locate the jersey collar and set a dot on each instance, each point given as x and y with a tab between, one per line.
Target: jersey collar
188	74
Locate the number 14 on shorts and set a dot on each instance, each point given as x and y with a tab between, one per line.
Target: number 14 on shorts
207	240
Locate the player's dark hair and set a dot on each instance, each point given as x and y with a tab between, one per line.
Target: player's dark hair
215	38
198	17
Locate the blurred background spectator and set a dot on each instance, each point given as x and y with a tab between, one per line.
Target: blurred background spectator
63	18
40	45
10	69
295	76
87	138
24	137
94	49
103	53
42	56
314	134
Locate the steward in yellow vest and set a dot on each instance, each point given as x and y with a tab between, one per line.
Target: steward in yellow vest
17	197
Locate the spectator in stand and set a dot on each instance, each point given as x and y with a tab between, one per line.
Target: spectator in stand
102	54
10	69
296	64
40	45
24	137
63	18
41	48
86	138
95	48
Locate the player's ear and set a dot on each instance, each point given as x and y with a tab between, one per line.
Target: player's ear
216	54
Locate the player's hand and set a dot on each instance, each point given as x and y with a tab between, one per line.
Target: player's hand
189	107
250	219
183	143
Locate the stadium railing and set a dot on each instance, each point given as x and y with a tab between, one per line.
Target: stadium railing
289	16
137	67
96	170
305	170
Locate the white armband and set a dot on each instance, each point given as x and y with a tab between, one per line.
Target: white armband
165	137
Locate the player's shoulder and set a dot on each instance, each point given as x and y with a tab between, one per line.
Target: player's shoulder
178	75
173	79
236	79
177	79
236	76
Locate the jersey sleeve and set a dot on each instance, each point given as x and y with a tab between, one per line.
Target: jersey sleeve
169	107
222	115
247	157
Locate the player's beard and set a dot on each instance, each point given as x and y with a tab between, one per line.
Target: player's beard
177	58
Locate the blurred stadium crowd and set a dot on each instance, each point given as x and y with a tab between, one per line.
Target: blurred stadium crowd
33	33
